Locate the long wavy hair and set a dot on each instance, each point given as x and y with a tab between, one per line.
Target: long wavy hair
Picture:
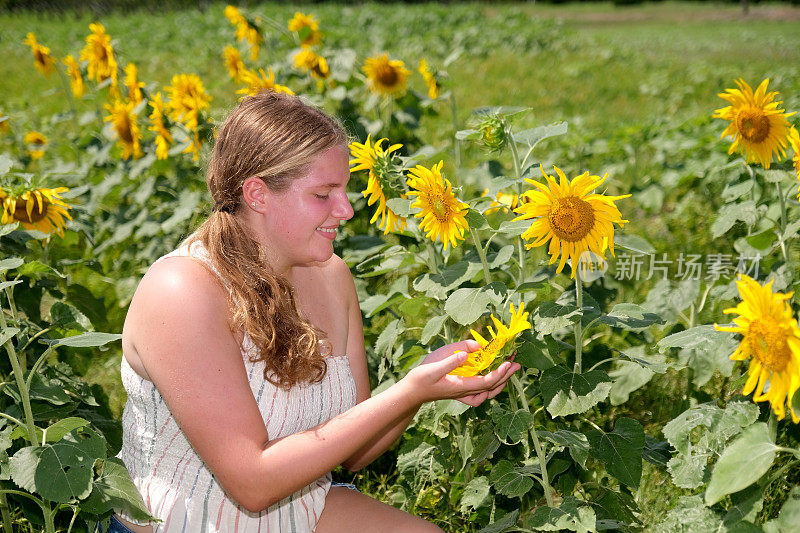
275	137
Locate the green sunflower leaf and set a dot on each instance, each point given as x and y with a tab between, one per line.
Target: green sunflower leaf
508	481
621	450
475	493
571	515
577	443
630	317
551	317
115	490
511	426
742	463
567	393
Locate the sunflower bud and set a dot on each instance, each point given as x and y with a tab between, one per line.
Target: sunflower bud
493	133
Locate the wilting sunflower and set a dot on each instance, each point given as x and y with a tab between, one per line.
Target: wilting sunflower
570	217
771	340
123	118
383	180
430	79
233	62
187	98
133	84
75	76
163	135
254	82
307	28
759	129
40	209
100	55
482	359
45	63
307	59
384	75
36	142
443	215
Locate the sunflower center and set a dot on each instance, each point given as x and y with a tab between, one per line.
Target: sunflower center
387	75
124	129
571	218
768	344
21	213
440	209
753	125
495	345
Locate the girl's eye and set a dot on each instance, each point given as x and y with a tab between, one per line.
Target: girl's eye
322	196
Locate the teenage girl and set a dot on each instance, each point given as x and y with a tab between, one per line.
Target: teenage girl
243	349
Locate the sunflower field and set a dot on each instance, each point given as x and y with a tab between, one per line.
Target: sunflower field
609	197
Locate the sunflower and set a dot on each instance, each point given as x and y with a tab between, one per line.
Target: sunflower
100	55
133	84
245	30
123	119
75	76
258	81
40	209
759	129
4	128
307	59
502	201
233	62
36	142
45	63
794	142
384	75
187	97
443	215
480	360
380	182
430	79
771	340
163	135
571	218
307	28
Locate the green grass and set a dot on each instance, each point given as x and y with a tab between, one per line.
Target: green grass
612	67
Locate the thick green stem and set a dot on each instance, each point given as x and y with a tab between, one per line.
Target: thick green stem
49	517
23	389
23	361
782	198
433	263
5	513
487	274
537	444
518	175
578	328
456	143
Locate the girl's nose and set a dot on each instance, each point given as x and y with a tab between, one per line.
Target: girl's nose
343	209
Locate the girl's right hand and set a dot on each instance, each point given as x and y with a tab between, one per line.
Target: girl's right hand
430	380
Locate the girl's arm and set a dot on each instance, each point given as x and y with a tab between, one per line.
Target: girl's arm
385	438
178	326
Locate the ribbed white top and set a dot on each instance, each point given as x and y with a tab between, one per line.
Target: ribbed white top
174	482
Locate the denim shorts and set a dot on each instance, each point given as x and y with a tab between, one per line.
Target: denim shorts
345	485
114	527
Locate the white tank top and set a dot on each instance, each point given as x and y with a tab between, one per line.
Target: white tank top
178	487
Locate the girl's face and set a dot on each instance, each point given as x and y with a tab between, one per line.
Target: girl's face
303	220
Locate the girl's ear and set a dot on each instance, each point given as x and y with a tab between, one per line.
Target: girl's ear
254	193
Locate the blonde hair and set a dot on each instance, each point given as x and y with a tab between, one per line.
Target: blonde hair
275	137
